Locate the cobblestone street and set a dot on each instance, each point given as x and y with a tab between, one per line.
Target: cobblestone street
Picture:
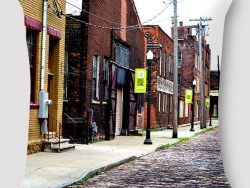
196	163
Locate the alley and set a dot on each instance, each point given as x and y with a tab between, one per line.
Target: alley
196	163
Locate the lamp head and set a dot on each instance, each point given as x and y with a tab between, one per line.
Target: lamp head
194	82
150	55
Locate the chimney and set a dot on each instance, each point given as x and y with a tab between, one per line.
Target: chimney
181	23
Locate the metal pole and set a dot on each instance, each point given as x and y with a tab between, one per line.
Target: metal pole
149	62
210	114
175	122
192	122
202	101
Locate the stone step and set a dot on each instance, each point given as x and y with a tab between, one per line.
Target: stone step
62	148
66	147
48	144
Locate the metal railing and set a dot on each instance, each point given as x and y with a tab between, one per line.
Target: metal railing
74	124
56	124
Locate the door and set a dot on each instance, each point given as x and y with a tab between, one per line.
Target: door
50	92
119	111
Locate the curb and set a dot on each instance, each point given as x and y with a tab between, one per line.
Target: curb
185	139
91	173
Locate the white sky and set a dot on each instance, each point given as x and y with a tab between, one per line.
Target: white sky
187	9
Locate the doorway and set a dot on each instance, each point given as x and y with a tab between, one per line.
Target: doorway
119	111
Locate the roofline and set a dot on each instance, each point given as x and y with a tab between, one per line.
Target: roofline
150	26
137	15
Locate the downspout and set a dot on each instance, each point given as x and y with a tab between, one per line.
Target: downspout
44	34
43	96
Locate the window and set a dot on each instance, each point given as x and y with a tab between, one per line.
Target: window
122	55
197	109
105	79
66	70
163	102
160	61
179	59
159	102
95	81
170	103
170	65
197	61
167	103
164	65
31	44
181	110
186	110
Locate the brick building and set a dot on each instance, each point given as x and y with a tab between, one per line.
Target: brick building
102	56
189	69
162	77
54	62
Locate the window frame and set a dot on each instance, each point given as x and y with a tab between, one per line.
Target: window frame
181	109
32	63
105	81
95	76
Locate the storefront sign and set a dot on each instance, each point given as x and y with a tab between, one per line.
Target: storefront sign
165	86
140	80
188	96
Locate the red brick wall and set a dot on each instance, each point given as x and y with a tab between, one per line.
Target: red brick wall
101	40
156	35
189	46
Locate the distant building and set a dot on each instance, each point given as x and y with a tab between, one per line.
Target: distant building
54	62
162	77
214	93
189	70
101	57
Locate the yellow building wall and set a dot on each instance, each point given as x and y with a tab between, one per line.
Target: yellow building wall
34	9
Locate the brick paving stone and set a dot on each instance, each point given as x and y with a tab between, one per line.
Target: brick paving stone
195	163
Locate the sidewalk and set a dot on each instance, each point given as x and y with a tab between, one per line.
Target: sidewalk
60	169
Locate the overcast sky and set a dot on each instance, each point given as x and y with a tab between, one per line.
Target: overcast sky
187	9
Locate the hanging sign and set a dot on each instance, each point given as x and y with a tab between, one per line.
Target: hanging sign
188	96
165	86
208	102
140	80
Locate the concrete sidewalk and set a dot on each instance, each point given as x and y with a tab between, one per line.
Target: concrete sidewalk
60	169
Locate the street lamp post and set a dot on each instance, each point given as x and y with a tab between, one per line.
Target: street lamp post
192	122
150	56
210	114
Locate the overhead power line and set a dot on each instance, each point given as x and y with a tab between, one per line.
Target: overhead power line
110	21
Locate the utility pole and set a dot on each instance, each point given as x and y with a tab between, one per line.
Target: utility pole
175	124
201	29
218	71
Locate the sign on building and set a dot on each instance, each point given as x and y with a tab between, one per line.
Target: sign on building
165	86
188	96
140	80
208	102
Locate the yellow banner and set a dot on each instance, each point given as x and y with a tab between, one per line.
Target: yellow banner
208	102
188	96
140	80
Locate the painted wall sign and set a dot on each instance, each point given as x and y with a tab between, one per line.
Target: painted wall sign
165	85
140	80
188	96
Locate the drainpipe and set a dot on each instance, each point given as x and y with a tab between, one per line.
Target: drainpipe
44	101
44	34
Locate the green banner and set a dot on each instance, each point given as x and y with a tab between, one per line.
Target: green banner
140	80
208	102
188	96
